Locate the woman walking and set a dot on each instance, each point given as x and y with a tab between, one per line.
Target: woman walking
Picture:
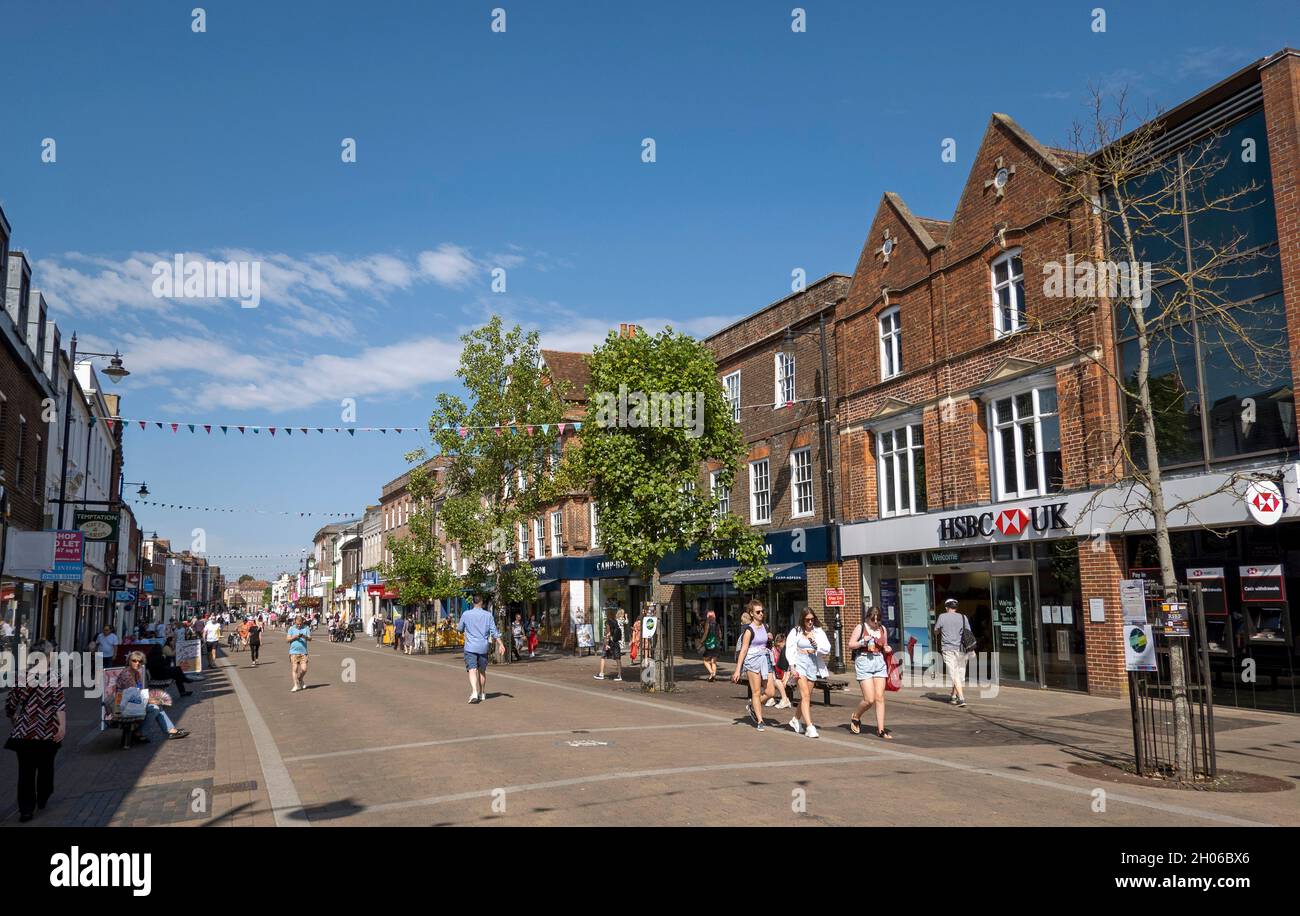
254	640
753	660
39	714
518	639
806	646
778	684
613	648
710	643
870	647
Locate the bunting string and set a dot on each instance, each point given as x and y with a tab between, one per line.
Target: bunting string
244	429
289	513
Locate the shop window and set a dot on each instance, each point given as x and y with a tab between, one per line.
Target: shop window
1008	293
801	475
891	343
1026	434
760	497
901	470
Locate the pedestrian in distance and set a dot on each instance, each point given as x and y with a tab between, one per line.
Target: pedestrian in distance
532	635
871	650
709	644
613	647
39	713
399	627
379	631
106	645
254	640
806	648
948	629
754	661
517	637
297	637
480	628
211	637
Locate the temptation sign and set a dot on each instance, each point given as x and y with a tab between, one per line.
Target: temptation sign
1007	522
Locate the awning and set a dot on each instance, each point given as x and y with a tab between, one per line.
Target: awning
547	585
781	572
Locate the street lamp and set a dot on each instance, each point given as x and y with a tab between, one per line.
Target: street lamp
115	372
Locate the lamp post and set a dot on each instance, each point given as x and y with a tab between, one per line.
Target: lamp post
115	372
827	421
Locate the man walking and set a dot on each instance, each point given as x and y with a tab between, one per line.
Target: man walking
212	636
399	626
479	627
948	629
297	638
106	643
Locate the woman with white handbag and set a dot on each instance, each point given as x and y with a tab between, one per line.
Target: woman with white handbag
806	649
133	694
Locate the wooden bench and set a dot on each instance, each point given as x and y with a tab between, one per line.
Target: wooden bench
825	685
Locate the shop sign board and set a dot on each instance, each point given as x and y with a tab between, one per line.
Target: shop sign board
95	525
1008	523
835	597
1262	583
1264	502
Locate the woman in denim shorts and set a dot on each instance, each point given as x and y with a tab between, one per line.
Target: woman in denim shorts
754	661
870	646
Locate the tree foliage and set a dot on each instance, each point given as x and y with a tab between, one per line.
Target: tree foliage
419	566
643	476
498	459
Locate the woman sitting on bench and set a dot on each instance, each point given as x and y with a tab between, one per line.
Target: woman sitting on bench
133	676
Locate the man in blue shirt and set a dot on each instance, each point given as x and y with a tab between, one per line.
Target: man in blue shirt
479	627
297	638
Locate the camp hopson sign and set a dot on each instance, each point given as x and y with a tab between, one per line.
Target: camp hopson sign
1011	522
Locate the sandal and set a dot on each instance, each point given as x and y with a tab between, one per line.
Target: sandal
855	725
884	733
179	733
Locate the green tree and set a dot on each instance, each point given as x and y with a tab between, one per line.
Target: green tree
419	566
498	444
245	578
643	470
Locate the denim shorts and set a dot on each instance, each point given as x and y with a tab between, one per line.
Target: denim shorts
758	664
475	660
867	666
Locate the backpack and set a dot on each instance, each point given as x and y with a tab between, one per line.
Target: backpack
968	640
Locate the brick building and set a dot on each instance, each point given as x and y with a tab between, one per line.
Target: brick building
977	448
780	373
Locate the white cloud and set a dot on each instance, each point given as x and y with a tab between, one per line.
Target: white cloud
449	265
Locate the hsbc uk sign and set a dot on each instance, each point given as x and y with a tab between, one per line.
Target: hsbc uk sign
1009	523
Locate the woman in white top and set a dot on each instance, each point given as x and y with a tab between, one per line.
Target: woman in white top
806	649
871	650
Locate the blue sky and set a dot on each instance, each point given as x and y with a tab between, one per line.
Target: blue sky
477	150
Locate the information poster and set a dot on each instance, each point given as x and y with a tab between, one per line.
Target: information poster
1139	647
188	657
915	601
586	638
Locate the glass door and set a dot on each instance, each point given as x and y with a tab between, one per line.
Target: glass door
1014	633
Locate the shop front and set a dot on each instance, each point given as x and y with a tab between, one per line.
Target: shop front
706	584
1040	579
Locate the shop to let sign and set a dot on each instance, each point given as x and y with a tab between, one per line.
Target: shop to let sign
68	551
835	597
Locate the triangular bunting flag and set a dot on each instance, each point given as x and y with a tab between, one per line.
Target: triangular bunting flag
207	429
546	428
224	430
241	429
530	430
560	427
141	424
463	432
384	430
157	424
175	426
288	430
352	432
272	429
303	429
191	426
110	425
577	427
321	430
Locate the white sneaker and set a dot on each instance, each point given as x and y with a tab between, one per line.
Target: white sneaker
771	701
482	696
797	726
473	698
812	731
599	677
784	704
295	689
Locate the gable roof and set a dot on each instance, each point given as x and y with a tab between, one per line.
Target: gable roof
915	224
571	369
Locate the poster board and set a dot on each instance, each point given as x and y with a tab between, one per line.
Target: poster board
586	636
188	657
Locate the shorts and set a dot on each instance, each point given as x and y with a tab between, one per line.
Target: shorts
868	665
711	653
613	652
475	660
955	661
758	664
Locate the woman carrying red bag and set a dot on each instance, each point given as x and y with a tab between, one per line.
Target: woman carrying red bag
871	663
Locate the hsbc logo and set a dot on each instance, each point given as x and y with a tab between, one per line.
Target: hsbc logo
1266	502
1006	522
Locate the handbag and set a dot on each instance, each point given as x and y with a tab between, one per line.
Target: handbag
968	640
132	703
894	678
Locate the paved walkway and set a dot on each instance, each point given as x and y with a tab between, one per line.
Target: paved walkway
384	738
